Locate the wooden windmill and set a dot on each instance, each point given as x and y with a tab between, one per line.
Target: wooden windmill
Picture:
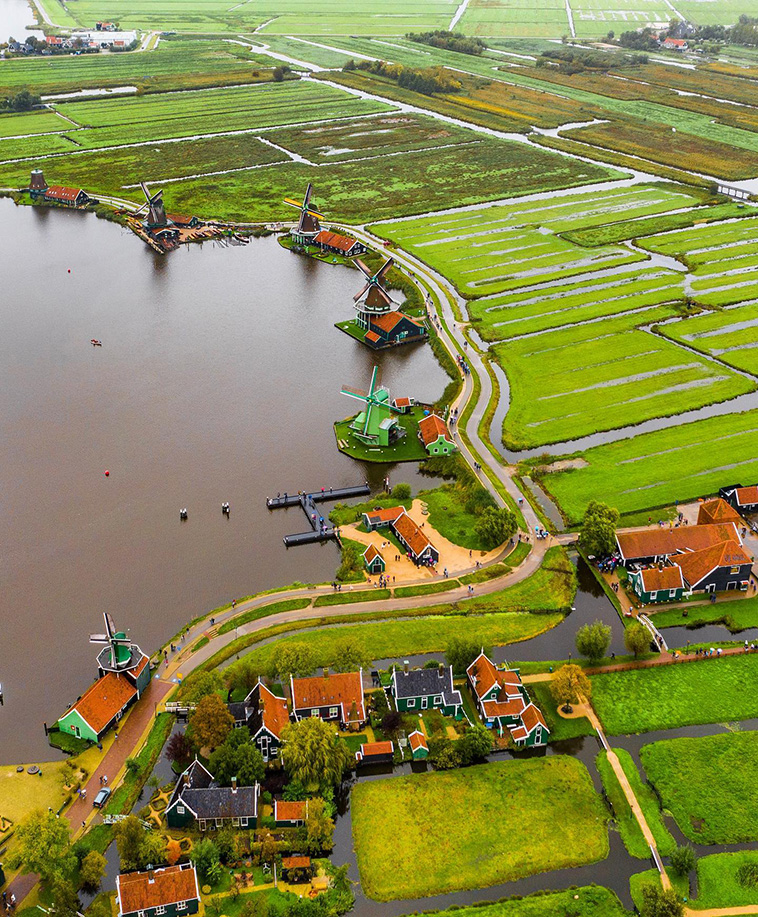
156	212
119	654
373	299
308	226
376	424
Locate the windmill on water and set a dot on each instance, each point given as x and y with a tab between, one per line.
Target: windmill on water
376	424
377	323
308	226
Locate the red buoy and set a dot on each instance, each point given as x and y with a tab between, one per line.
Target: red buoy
69	270
107	473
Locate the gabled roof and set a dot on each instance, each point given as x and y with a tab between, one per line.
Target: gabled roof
411	534
427	683
662	542
484	675
138	891
371	552
137	670
272	711
532	717
718	510
389	514
194	777
431	428
60	193
290	811
696	565
372	336
375	748
335	240
387	321
222	801
660	580
103	700
746	496
402	402
417	740
513	706
342	689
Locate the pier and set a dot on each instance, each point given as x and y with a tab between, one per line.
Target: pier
321	528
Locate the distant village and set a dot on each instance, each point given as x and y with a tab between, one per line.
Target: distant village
106	36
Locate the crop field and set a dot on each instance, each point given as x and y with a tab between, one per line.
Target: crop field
515	18
657	469
594	18
731	334
32	123
718	690
707	783
491	823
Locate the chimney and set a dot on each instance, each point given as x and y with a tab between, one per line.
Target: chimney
150	876
326	671
442	670
234	784
406	666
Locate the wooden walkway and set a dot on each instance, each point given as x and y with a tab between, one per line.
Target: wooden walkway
321	528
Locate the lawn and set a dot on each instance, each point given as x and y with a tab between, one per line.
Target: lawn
715	690
263	612
408	449
560	727
448	515
589	901
21	794
727	880
707	784
491	823
737	615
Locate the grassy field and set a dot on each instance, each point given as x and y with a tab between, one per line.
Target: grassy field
706	784
737	615
648	803
448	516
727	880
660	468
490	824
664	697
560	727
589	901
408	449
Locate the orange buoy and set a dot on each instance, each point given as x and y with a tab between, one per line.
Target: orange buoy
107	473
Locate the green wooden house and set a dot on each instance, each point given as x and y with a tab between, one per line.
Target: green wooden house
658	584
198	800
373	560
416	690
418	746
435	436
168	892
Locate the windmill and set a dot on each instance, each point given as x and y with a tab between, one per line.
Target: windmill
377	299
156	212
308	226
376	424
119	653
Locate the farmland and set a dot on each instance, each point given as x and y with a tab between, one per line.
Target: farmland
491	823
705	783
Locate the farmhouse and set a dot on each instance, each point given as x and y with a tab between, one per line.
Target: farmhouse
420	550
67	197
675	44
714	511
379	518
418	746
265	715
503	703
390	328
375	753
336	244
722	567
435	436
171	891
425	689
658	584
743	499
197	798
101	706
373	560
334	698
290	814
656	545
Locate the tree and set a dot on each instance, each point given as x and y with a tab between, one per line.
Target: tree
683	860
593	640
255	906
211	722
173	852
250	766
292	659
65	899
239	758
569	685
268	848
637	638
228	845
244	675
598	531
350	655
278	74
495	526
92	869
201	686
43	845
206	857
401	491
319	827
137	847
474	745
391	723
660	902
443	754
313	754
461	652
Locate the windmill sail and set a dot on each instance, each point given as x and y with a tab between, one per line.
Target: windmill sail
377	298
308	224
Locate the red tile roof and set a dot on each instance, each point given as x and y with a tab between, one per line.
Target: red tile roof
675	42
138	891
135	672
388	514
334	240
660	580
416	740
747	495
104	699
662	542
532	717
513	707
290	811
431	428
274	711
371	552
342	689
714	511
372	336
402	402
483	674
59	193
296	862
697	565
411	534
377	748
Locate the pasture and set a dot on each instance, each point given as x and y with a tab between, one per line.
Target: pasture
727	880
491	823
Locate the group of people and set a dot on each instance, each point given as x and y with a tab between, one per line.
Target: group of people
9	902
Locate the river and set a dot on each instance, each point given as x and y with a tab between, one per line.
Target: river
218	380
15	16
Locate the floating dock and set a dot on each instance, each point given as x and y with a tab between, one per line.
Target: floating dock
321	528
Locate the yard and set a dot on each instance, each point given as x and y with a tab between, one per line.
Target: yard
736	614
715	690
481	826
727	880
707	783
589	901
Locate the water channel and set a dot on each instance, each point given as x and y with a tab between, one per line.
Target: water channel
15	16
219	379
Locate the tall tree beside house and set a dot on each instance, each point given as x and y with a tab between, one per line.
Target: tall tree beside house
180	749
597	534
637	638
569	685
201	686
138	848
237	757
244	675
313	754
43	846
350	655
593	640
268	848
474	745
211	722
318	828
461	652
206	857
92	870
495	526
294	658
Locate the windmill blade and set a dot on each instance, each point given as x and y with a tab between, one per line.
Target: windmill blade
366	287
292	203
158	196
98	638
307	198
110	627
374	381
363	267
145	192
380	274
369	405
361	396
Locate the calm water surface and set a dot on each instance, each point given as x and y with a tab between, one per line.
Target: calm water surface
218	379
15	16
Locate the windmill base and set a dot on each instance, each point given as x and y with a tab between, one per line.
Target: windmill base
408	448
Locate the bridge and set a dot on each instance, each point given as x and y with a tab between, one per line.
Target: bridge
321	528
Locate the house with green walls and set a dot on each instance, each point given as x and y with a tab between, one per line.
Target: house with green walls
435	436
419	748
658	584
416	690
200	802
168	892
373	560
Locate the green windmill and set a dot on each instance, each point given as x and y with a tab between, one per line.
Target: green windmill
376	425
119	653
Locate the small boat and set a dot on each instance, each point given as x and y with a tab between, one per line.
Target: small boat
96	343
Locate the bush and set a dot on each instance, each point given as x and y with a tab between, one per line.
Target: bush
683	860
401	491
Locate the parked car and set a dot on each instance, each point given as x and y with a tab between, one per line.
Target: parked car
102	797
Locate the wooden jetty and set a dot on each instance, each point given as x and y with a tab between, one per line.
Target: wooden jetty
321	528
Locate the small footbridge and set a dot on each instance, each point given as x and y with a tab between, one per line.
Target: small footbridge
321	528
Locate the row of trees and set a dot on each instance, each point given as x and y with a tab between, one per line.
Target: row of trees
427	80
24	100
449	41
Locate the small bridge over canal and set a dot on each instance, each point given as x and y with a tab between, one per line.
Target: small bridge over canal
321	528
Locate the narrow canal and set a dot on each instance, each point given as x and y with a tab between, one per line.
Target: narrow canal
218	380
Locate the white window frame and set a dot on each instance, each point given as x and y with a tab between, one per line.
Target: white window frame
235	822
180	810
160	909
653	596
410	702
243	821
181	905
424	703
314	711
219	822
201	824
334	712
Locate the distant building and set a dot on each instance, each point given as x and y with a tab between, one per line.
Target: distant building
675	44
68	197
435	436
743	499
336	244
390	328
171	891
420	549
290	814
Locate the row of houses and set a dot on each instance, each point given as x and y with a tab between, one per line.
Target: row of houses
410	535
669	564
